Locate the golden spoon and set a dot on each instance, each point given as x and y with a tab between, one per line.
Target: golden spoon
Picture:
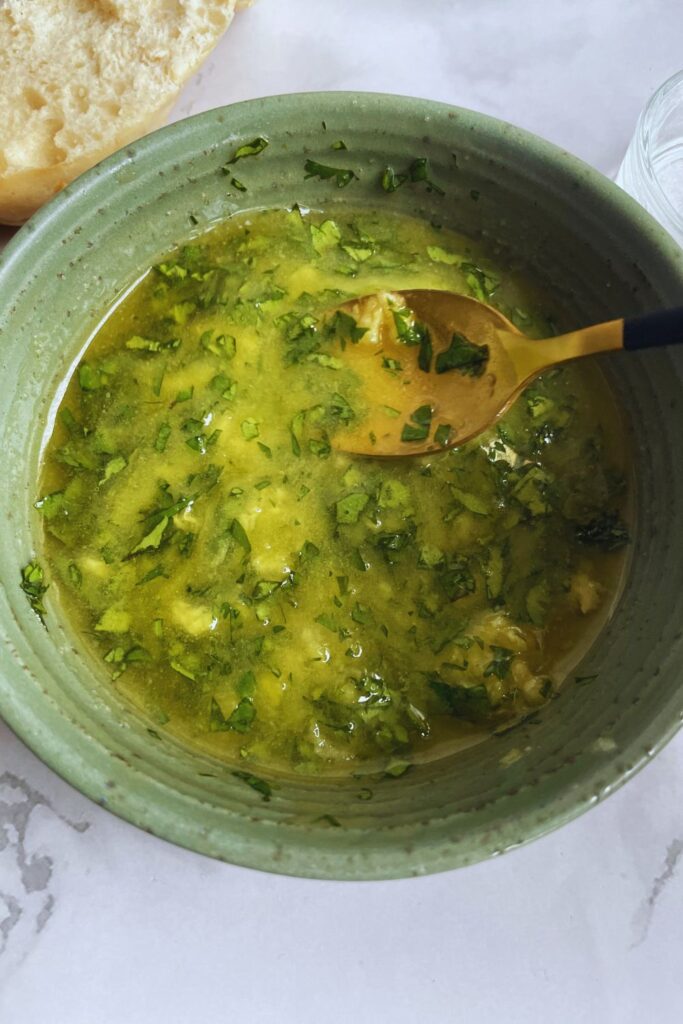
439	368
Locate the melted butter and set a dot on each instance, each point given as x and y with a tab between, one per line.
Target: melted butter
274	601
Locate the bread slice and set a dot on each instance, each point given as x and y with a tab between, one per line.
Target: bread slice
81	78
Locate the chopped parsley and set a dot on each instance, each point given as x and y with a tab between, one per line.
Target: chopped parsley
246	149
240	719
499	665
34	586
257	784
349	509
442	434
341	176
463	355
288	603
419	171
469	702
420	425
605	531
390	180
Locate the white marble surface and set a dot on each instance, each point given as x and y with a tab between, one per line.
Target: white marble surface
101	923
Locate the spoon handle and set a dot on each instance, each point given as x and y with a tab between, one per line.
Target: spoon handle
652	330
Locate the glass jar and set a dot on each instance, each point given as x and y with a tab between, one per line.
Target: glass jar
652	170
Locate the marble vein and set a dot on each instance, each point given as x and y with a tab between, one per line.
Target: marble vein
25	875
644	914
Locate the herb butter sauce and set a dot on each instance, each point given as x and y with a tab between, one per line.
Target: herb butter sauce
275	602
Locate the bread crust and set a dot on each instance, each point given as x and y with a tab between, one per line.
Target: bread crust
25	188
25	191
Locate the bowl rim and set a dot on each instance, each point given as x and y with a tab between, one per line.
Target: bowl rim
371	862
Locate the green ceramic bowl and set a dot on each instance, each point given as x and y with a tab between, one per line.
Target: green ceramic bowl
578	235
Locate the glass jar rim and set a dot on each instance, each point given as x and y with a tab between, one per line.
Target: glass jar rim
646	124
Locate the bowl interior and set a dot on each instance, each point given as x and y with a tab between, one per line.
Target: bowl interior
574	233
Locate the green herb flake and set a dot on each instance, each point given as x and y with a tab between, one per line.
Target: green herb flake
249	428
464	356
223	345
246	684
259	785
240	720
419	171
322	359
339	144
246	149
325	237
342	327
482	283
442	434
389	411
173	271
138	344
238	534
472	502
308	551
493	567
342	176
362	614
537	603
349	509
456	580
90	378
357	253
411	332
605	531
328	819
320	447
152	539
340	409
181	313
327	622
113	620
153	574
52	505
439	255
265	588
419	429
390	180
34	586
469	702
224	385
75	574
114	466
162	437
499	666
183	670
137	654
71	424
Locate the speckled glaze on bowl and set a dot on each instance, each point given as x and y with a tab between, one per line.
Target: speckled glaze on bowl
577	234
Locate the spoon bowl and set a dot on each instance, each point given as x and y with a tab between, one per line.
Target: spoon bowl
438	368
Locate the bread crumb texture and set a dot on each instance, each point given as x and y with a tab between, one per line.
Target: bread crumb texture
81	78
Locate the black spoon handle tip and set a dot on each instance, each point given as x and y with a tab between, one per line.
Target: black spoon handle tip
652	330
